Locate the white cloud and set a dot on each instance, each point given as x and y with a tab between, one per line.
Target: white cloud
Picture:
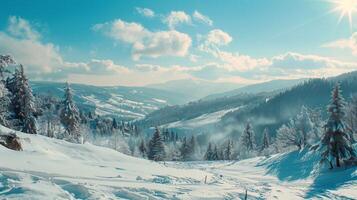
177	17
20	27
146	12
43	60
349	43
202	18
219	37
129	32
213	40
145	42
298	65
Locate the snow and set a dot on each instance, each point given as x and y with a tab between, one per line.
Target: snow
55	169
120	106
200	121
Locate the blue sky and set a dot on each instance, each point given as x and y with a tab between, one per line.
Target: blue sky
142	42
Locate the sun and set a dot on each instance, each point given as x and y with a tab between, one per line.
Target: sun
346	8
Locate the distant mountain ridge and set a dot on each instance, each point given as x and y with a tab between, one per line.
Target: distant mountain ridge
269	86
123	102
195	89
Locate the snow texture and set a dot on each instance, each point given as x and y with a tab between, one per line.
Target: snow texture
48	168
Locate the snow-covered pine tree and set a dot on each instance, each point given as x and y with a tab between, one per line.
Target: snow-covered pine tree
4	105
266	140
247	139
69	116
215	155
185	149
5	60
209	152
317	122
351	120
5	112
228	150
22	102
156	147
335	140
304	126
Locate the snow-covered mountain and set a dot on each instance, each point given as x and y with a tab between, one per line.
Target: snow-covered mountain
274	85
196	89
264	109
48	168
123	102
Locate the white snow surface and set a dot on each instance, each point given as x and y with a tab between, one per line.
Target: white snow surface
200	121
55	169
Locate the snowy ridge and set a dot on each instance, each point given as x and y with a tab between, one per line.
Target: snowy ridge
54	169
123	102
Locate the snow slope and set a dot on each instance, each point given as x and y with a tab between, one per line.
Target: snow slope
205	120
55	169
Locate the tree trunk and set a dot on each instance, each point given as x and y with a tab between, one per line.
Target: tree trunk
331	166
338	161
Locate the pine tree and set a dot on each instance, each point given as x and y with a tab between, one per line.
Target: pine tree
185	150
156	147
115	124
5	60
352	118
304	126
266	140
228	150
4	105
215	155
70	116
5	100
209	152
192	148
247	138
142	149
335	139
22	102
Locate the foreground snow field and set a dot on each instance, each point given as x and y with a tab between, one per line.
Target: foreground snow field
55	169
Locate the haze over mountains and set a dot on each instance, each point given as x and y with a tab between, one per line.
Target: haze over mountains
130	103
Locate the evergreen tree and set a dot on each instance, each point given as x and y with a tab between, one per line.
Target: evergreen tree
5	60
266	140
142	149
185	149
304	126
70	116
335	140
4	105
352	118
156	147
5	100
22	102
192	148
228	150
247	139
115	124
209	152
215	155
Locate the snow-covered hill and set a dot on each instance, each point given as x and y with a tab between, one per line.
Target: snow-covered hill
54	169
123	102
